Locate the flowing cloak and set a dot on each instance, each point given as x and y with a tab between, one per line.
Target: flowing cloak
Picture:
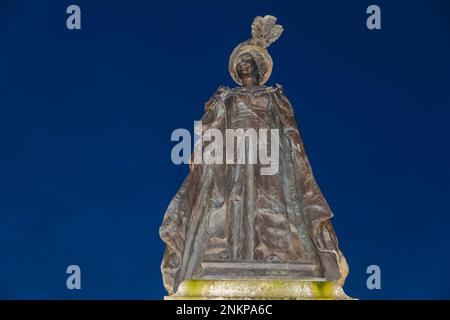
203	194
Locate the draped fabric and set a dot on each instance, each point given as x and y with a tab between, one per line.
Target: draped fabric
232	212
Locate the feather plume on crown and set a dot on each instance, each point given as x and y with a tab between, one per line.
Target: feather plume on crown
265	31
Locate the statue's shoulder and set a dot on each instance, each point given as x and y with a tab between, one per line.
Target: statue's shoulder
223	88
281	100
221	91
277	88
219	94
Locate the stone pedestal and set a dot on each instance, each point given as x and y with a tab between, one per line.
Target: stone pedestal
259	289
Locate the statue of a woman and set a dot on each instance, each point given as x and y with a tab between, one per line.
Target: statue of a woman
229	221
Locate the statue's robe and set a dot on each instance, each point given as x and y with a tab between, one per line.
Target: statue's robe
232	213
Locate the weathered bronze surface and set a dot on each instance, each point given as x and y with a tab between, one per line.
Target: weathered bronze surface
228	221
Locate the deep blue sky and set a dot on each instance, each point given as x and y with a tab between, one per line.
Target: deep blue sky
86	118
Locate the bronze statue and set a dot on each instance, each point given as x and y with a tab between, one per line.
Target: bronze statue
229	221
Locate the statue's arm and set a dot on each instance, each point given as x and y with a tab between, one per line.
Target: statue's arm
286	115
214	117
313	198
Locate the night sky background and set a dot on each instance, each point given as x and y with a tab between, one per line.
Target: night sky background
86	118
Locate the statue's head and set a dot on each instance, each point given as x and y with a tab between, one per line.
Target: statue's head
247	69
250	59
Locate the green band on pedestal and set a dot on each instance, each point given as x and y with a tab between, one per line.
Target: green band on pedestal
259	289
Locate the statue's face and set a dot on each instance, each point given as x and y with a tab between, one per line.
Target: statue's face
247	67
